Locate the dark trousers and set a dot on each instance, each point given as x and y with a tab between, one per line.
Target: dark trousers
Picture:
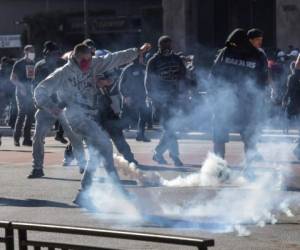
25	113
13	112
168	140
59	130
3	104
143	114
129	115
116	134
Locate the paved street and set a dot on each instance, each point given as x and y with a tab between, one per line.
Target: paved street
49	199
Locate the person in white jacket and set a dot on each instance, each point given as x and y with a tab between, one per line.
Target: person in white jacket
75	87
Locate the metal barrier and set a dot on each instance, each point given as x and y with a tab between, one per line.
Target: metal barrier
23	243
23	228
8	238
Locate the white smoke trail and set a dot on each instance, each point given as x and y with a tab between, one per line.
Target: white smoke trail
131	171
238	201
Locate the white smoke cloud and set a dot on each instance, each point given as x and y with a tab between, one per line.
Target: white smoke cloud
238	201
257	201
248	197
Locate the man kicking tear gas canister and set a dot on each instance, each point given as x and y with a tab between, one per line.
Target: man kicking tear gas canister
75	87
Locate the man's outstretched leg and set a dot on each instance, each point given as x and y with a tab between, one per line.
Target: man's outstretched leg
100	152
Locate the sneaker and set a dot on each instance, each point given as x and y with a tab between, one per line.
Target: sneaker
159	159
177	161
27	143
142	138
36	173
61	139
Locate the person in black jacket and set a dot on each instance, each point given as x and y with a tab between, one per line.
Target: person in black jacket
108	117
133	93
165	73
239	78
291	100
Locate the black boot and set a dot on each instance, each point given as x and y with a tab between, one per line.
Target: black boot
60	139
27	142
141	137
36	173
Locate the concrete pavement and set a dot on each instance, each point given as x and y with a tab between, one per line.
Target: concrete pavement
49	199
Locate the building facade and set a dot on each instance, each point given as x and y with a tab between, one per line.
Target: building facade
196	26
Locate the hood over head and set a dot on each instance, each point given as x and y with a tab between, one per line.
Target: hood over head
237	38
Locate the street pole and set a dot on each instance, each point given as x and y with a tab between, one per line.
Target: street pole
85	17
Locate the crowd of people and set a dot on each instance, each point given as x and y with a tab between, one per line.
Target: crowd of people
91	96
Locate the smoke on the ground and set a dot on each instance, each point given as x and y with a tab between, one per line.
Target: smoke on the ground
249	196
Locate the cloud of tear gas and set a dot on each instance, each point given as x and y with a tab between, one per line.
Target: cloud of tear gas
238	201
257	199
112	203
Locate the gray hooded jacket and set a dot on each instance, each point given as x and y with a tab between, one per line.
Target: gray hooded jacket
76	90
